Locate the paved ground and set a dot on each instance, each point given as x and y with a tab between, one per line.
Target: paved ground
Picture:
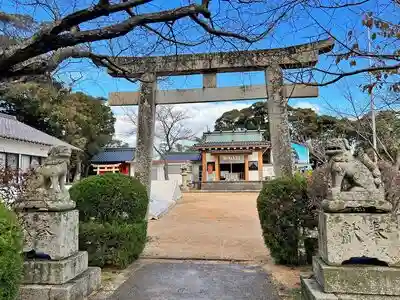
195	281
209	225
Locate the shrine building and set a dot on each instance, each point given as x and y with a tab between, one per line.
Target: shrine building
223	160
240	159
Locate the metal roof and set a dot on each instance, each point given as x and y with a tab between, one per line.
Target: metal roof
11	128
183	156
109	155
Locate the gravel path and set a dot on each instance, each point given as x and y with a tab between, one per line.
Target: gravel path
209	226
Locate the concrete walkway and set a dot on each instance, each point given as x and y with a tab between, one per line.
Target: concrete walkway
188	280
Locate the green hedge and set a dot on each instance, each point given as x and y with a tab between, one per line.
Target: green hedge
112	244
112	211
110	198
283	209
11	260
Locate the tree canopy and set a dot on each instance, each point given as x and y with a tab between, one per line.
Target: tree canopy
76	118
309	128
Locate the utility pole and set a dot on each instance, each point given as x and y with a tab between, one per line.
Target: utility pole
372	104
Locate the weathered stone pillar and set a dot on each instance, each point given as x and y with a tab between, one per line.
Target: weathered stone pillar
145	130
278	122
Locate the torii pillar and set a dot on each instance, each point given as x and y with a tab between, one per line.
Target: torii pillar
281	147
273	61
145	129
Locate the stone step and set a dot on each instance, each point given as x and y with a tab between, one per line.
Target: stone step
357	279
76	289
311	290
55	272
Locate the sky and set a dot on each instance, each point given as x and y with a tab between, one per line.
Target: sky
333	99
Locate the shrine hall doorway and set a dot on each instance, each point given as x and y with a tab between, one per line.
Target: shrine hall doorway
232	171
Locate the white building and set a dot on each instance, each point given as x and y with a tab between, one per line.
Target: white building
20	144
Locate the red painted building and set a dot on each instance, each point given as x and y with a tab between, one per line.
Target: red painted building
115	160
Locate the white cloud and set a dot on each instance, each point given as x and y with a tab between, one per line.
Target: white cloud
305	104
201	115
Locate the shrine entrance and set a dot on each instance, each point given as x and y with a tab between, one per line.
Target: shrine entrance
271	61
232	171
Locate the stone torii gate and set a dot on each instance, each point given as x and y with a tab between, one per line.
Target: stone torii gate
271	61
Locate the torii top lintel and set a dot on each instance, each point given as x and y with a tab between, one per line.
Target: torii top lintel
298	56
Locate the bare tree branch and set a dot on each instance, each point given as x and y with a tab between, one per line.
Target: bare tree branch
170	130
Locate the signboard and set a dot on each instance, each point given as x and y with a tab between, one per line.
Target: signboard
300	154
231	159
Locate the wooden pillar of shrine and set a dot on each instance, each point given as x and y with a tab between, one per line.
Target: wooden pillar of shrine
203	166
246	167
260	165
217	168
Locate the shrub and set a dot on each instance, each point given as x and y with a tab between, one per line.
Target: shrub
391	182
317	190
11	260
110	198
112	209
284	213
113	244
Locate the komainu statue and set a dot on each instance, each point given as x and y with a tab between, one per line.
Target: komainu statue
356	180
54	170
45	187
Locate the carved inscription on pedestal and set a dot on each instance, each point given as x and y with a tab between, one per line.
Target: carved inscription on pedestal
346	236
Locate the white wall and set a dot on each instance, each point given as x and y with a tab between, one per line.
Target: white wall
268	170
23	148
195	171
20	147
210	157
253	156
160	173
132	169
159	169
176	177
253	176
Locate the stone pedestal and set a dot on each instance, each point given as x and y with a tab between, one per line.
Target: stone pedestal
357	279
343	236
51	233
78	288
54	269
359	258
311	290
348	201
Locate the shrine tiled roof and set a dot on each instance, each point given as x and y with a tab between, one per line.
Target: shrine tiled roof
114	155
234	144
183	156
